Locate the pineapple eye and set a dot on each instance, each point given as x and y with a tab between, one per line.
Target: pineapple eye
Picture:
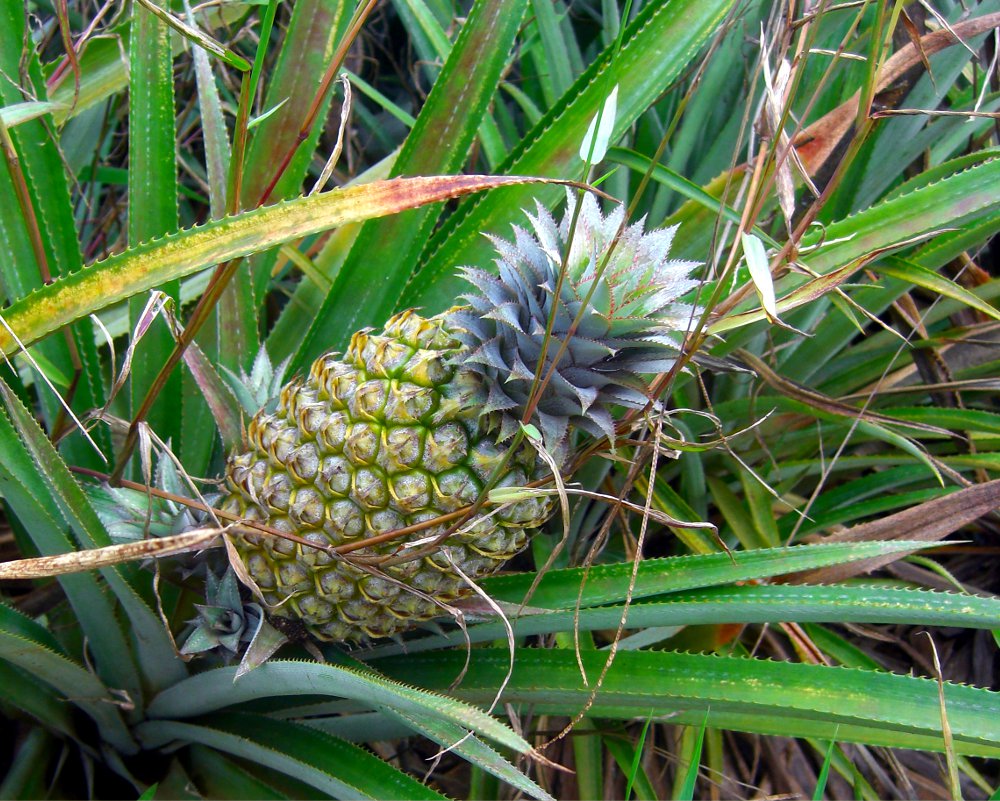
334	431
335	475
343	521
361	445
369	489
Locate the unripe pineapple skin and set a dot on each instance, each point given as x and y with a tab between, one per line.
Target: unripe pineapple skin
390	436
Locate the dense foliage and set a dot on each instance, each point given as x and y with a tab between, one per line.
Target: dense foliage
778	579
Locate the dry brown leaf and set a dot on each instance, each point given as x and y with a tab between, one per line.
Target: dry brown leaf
928	522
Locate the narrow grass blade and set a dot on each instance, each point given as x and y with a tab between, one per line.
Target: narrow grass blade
690	774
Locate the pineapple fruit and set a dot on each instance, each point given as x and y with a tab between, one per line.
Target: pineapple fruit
413	422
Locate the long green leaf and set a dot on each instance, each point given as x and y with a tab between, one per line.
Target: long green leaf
152	198
956	201
332	766
746	604
782	698
27	645
21	690
314	28
154	263
215	689
560	589
928	279
219	776
438	143
455	738
657	47
155	650
31	499
50	213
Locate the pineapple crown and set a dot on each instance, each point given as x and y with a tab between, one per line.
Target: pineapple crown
624	290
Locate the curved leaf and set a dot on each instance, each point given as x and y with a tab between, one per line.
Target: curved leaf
215	689
332	766
782	698
741	604
28	646
560	589
153	263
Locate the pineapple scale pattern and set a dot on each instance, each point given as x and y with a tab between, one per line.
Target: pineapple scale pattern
388	437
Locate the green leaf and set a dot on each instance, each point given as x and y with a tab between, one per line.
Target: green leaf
155	650
215	689
332	766
915	274
780	698
313	31
657	46
29	497
560	589
200	39
176	255
39	239
28	646
956	201
14	115
438	143
218	776
741	604
152	198
454	738
30	766
21	690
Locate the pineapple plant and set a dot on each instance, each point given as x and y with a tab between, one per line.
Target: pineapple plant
415	422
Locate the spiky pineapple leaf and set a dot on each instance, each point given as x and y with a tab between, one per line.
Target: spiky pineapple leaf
657	46
30	647
561	589
152	199
30	498
962	199
215	689
753	695
153	263
314	28
740	604
21	690
453	737
333	766
155	651
438	143
38	235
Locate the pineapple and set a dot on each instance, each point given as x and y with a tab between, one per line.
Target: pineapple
413	422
